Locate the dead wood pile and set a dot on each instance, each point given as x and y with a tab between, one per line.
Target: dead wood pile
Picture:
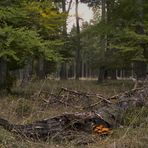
76	99
68	125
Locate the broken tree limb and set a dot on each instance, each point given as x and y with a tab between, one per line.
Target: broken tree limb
48	128
101	97
100	121
125	93
70	97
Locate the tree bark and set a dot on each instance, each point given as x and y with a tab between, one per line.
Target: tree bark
101	74
39	68
103	44
3	73
78	43
141	66
63	71
63	75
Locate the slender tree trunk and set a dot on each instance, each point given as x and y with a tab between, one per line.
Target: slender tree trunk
86	69
101	74
26	72
3	73
83	63
63	75
103	45
74	70
6	80
113	74
78	43
63	71
39	68
140	69
64	11
141	66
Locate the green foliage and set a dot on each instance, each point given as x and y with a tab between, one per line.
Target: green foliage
125	31
128	46
129	36
45	18
17	43
29	29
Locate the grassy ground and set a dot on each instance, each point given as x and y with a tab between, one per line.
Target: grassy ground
23	107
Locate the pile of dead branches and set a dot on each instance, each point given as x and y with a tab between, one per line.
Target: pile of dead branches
76	99
91	101
101	120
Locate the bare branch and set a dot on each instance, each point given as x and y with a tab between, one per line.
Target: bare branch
69	6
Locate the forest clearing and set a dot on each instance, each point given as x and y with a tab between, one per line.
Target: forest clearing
73	73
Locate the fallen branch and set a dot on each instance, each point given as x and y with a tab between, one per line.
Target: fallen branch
51	127
124	93
100	121
67	97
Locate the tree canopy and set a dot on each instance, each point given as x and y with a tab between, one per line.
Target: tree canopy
29	28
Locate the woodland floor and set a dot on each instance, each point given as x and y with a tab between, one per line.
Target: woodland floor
25	106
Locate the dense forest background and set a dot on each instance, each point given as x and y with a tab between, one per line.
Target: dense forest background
35	43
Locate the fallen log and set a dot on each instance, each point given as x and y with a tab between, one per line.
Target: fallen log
100	121
43	129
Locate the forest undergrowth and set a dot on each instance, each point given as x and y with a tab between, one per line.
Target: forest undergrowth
27	104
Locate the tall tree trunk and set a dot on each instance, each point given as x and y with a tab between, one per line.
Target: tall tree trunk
140	66
39	68
78	43
6	80
113	74
83	63
103	44
63	75
26	72
63	71
101	74
140	69
3	73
